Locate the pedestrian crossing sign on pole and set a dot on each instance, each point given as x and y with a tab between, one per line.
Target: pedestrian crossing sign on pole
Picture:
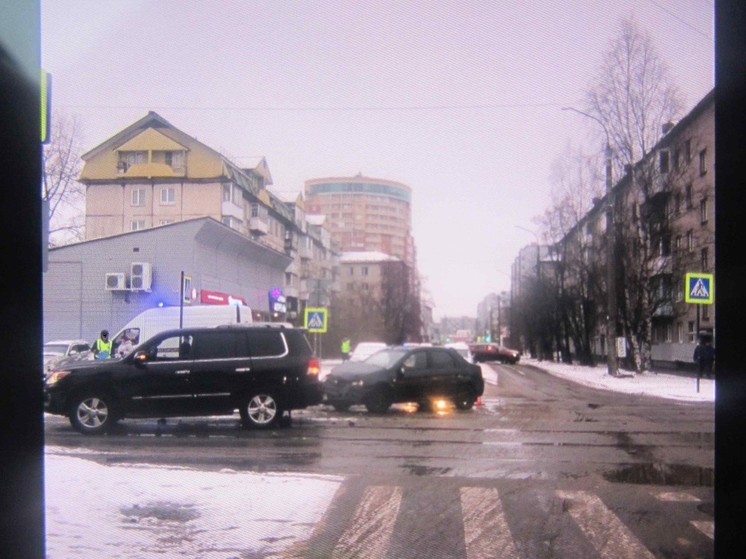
700	288
316	320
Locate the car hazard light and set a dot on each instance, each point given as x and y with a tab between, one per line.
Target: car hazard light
314	367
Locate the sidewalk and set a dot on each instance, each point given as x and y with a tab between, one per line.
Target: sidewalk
675	386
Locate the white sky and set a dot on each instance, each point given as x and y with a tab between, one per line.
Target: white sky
458	99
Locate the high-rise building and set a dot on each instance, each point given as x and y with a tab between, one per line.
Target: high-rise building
365	214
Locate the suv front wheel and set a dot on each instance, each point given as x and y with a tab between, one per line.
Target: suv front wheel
260	410
92	413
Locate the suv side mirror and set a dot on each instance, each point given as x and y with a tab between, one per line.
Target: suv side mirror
141	357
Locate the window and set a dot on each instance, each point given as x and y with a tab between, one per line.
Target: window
665	245
171	349
688	150
689	240
441	360
168	196
679	243
138	197
231	222
226	193
679	292
703	161
688	196
679	332
165	221
130	158
677	203
705	258
703	211
365	286
691	333
352	270
137	224
365	270
220	344
676	158
705	312
267	344
663	161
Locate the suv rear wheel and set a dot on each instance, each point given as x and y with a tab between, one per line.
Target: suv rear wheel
92	413
260	410
466	401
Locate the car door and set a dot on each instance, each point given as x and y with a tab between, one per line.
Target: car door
413	377
156	380
221	368
448	377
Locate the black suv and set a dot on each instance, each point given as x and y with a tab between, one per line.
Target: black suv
261	371
401	374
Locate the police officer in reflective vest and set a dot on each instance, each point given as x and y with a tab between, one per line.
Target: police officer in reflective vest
102	346
346	347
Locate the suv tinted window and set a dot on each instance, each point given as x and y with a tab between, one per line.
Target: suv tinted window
416	360
220	344
267	343
441	359
171	348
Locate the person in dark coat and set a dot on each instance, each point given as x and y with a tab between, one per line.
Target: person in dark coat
704	356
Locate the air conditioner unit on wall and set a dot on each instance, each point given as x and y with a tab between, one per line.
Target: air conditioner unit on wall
115	281
141	276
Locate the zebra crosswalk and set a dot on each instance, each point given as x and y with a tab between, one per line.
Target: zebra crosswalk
491	527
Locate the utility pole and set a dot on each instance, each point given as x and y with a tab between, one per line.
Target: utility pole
611	301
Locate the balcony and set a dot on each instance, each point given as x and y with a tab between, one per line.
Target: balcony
258	226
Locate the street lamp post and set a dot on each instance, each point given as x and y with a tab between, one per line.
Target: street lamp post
611	302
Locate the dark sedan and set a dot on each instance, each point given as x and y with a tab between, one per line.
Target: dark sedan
405	374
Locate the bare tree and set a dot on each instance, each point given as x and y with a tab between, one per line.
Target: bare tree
632	96
60	186
572	281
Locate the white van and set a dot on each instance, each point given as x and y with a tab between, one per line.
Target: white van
152	321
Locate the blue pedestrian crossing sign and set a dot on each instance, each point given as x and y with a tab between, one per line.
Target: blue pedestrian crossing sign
700	288
316	320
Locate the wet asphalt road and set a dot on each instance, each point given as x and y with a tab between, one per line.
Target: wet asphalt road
542	469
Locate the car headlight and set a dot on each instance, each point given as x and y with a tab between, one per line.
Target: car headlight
358	382
56	376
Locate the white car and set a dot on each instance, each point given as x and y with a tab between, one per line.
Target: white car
463	349
56	350
363	350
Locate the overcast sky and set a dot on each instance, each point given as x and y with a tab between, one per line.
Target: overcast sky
458	99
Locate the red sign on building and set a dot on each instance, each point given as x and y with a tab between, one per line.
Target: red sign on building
217	298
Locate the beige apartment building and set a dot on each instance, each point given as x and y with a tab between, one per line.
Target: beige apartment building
152	174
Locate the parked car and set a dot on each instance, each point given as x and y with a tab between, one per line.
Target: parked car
400	374
57	350
494	352
261	371
363	350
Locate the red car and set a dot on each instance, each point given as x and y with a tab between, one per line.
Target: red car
494	352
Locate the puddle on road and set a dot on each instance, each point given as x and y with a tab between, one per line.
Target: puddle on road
420	470
663	474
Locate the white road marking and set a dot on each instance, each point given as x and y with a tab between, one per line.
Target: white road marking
676	497
611	538
486	532
707	527
369	535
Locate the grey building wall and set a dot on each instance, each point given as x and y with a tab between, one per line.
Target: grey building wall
78	305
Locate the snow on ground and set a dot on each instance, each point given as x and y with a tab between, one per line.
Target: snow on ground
665	385
145	512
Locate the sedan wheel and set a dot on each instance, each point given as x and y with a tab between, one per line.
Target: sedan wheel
379	401
465	402
260	411
92	414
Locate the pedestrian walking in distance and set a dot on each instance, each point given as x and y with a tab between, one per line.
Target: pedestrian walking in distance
346	347
704	356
